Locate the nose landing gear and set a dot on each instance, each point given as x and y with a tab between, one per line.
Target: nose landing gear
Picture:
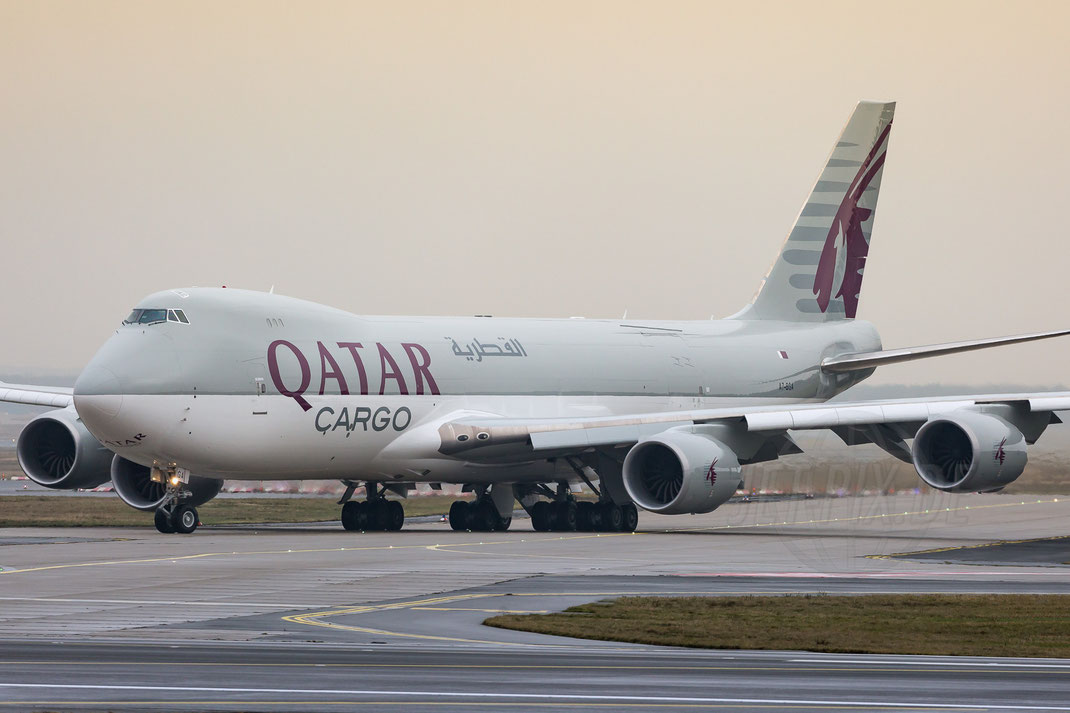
172	515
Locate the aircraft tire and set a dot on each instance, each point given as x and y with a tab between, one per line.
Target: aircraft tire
612	517
361	515
565	516
349	516
585	517
504	523
162	520
458	516
184	519
483	517
395	515
377	515
630	518
541	516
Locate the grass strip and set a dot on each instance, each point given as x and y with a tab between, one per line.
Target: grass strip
934	624
62	511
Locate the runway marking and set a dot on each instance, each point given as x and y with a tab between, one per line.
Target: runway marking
924	574
928	511
982	664
317	618
313	619
467	704
463	695
202	555
154	602
451	547
861	666
485	611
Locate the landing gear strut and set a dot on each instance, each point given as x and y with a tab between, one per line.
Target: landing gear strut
172	515
374	514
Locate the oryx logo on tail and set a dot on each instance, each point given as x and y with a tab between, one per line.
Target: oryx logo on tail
844	256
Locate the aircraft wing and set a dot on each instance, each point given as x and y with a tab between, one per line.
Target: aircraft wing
854	421
55	396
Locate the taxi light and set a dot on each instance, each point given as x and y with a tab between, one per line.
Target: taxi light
175	480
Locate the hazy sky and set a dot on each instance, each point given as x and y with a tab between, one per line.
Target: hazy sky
528	159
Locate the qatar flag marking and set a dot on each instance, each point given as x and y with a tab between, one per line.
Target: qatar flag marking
782	354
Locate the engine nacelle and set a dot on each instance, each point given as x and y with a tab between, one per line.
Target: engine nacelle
134	485
968	452
681	471
55	450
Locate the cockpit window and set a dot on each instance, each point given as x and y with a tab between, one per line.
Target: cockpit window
154	316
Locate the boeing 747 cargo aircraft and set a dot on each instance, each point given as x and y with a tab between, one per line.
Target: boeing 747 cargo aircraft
199	385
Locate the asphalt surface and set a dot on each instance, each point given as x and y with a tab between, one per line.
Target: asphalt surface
1041	551
226	677
313	618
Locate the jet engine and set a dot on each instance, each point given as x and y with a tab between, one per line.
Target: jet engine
681	471
55	450
134	485
967	452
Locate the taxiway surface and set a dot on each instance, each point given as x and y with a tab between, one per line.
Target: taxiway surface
282	618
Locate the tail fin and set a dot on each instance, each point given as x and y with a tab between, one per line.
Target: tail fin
818	275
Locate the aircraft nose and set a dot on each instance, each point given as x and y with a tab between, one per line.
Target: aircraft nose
97	394
131	362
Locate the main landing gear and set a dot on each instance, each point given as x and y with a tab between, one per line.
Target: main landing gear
374	514
480	515
584	516
563	513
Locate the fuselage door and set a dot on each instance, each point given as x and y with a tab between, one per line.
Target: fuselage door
259	396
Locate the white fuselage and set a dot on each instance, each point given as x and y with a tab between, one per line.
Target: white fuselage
259	386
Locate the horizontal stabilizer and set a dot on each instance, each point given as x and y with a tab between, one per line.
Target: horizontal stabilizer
869	360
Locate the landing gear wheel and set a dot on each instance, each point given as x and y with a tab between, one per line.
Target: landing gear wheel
612	517
349	516
395	515
378	514
361	515
459	515
504	523
541	516
162	519
630	515
565	516
585	517
483	516
184	519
